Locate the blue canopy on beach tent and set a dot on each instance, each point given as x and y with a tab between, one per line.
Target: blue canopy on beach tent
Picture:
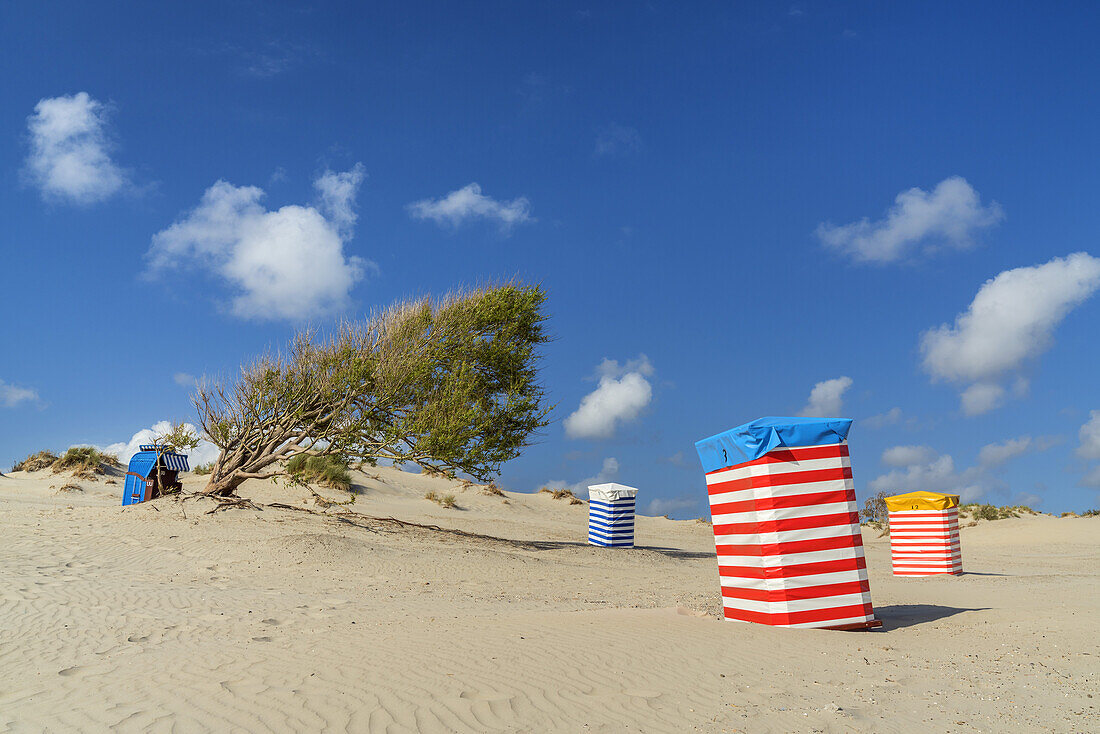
756	438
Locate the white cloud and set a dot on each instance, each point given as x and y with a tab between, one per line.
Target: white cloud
950	215
622	393
338	191
922	468
889	418
1090	437
614	139
13	395
469	203
184	379
981	398
204	453
827	398
995	454
70	152
608	472
284	264
658	507
1011	320
902	456
1091	478
933	473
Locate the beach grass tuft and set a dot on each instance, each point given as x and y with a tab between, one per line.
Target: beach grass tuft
446	500
327	471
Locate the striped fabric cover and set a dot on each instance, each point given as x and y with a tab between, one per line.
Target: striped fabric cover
177	462
925	542
610	521
786	529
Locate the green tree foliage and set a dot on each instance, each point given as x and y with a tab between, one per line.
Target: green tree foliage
448	383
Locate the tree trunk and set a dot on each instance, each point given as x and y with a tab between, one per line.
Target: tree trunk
225	486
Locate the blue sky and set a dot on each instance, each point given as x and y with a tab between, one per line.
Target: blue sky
728	204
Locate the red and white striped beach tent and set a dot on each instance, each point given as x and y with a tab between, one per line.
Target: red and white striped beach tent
924	534
786	524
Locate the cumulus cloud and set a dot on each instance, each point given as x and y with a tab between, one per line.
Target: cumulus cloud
70	156
1091	478
284	264
922	468
469	203
935	473
1090	437
607	473
995	454
13	395
337	192
890	418
902	456
950	215
622	393
617	139
204	453
827	398
1010	321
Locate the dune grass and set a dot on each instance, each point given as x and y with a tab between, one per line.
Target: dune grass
84	461
36	462
562	494
446	501
976	511
327	471
492	489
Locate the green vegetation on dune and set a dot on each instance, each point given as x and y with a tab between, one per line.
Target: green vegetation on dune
976	511
327	471
36	462
82	460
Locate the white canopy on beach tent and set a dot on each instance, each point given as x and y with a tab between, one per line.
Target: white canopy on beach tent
611	491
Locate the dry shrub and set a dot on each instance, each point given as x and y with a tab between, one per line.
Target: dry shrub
36	462
576	501
70	487
702	521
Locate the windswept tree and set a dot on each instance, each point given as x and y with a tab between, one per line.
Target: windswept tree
449	384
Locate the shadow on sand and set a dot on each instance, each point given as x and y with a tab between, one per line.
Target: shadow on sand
664	551
897	616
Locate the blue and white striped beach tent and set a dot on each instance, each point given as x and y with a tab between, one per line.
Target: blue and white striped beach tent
611	515
142	474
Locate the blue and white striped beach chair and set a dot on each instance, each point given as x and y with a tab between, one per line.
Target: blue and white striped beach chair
611	515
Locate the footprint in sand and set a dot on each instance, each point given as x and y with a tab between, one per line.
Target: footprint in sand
70	671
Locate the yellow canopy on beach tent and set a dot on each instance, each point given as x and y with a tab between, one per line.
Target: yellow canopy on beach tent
921	501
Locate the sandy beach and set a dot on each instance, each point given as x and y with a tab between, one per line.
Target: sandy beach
160	618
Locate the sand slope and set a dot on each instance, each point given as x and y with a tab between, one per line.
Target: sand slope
158	618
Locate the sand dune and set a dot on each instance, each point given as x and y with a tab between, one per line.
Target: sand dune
158	618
